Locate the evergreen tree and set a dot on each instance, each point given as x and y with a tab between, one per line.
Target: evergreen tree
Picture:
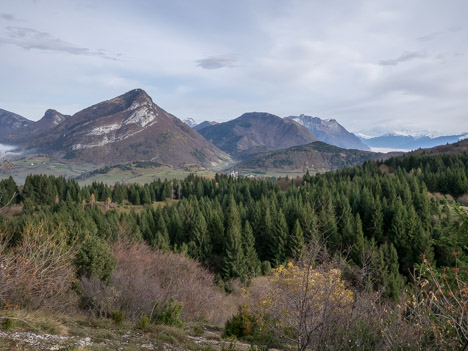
296	240
234	264
250	254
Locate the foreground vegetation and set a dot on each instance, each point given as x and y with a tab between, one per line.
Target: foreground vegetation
371	257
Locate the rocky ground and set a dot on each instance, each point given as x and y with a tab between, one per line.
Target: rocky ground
99	337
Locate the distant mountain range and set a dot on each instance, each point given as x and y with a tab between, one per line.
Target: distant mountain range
330	132
408	141
256	132
131	128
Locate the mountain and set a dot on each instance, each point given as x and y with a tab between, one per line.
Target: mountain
330	132
204	125
458	147
190	122
50	120
410	141
256	132
11	123
314	157
130	127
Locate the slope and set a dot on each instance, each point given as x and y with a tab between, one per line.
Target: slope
256	132
330	132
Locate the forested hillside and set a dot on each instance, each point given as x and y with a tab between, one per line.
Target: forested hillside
390	216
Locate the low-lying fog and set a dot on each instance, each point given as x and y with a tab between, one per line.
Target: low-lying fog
6	150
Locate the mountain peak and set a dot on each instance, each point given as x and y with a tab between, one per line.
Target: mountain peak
52	117
256	132
11	123
136	95
190	122
330	131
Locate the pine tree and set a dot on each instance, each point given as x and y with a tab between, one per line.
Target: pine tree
296	240
234	254
280	239
250	254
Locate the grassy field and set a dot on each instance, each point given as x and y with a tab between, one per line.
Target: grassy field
144	175
43	164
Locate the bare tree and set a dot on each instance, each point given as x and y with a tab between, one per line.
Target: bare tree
307	300
38	271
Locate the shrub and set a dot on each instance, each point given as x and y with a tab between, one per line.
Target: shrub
169	313
118	317
144	322
7	323
95	258
144	276
38	271
241	324
266	268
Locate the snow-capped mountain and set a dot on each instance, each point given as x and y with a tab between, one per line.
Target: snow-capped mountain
330	132
378	132
407	139
190	122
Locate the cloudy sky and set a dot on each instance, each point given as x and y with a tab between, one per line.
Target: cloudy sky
387	64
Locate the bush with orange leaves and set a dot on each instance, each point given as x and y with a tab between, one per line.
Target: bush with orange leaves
146	279
38	271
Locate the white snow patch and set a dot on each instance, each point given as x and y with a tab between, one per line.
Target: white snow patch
463	137
105	129
142	117
364	136
107	140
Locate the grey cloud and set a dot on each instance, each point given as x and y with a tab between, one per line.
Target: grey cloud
216	62
406	56
455	28
429	37
7	17
28	38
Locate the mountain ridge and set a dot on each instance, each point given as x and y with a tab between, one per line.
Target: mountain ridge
255	132
315	157
330	132
11	122
125	128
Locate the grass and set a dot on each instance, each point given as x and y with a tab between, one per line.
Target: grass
38	330
43	164
144	175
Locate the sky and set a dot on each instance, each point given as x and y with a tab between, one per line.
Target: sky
386	65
